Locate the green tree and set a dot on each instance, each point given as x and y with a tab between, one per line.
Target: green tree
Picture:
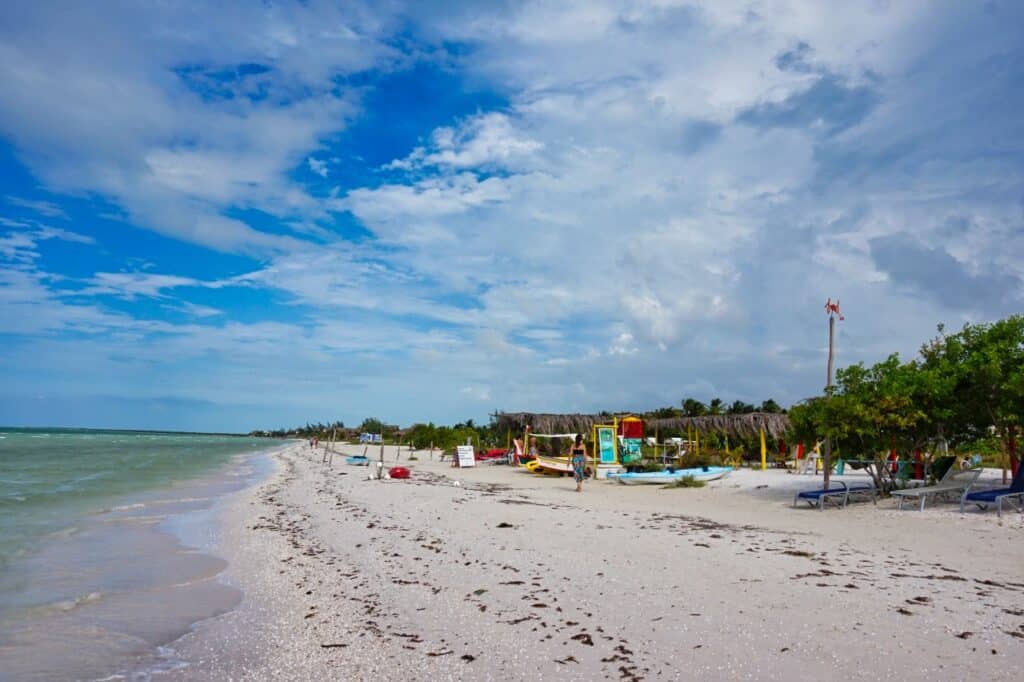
740	407
983	367
694	408
371	425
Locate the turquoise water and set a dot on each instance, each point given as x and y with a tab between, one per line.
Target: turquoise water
104	539
49	477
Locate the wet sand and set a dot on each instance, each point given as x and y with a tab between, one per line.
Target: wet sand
513	576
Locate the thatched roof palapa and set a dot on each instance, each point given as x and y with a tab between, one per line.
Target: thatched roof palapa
742	425
549	423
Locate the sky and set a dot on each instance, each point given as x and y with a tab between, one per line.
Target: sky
239	215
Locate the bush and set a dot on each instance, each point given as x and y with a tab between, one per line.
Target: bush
686	482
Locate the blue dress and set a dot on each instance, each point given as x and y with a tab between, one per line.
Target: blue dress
579	464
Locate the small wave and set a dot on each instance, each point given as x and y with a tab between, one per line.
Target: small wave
126	507
72	604
63	532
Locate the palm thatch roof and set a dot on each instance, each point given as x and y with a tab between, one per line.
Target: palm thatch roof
549	423
742	425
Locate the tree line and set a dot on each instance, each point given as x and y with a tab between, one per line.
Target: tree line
964	391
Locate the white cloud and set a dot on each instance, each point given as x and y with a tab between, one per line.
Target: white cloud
318	166
45	208
483	141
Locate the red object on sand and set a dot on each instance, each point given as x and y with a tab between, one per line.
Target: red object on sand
493	453
398	472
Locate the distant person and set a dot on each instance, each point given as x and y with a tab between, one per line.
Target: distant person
534	450
579	462
517	454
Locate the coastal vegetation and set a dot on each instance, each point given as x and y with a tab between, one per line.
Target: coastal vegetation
965	392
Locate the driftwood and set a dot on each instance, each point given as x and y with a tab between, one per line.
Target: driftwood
741	425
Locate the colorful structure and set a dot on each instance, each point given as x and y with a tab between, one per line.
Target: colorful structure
631	431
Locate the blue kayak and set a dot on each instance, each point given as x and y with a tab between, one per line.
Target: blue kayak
357	460
662	477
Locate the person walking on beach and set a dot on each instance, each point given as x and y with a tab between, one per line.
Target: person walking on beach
579	462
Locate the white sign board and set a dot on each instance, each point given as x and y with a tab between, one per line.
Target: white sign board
465	455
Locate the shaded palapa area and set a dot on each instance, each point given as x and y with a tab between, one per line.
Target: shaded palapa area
746	425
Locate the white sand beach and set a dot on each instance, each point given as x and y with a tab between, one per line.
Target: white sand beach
509	575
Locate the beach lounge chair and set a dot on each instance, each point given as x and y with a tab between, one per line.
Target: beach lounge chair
955	481
838	491
983	498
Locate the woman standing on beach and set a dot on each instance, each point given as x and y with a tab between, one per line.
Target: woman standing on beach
579	462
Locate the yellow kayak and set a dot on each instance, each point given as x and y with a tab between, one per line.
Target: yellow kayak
553	465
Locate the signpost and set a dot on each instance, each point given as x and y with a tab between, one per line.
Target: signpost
606	444
465	456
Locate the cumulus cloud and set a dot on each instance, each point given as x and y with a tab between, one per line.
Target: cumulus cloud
484	141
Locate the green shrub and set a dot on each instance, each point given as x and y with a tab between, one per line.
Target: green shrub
686	482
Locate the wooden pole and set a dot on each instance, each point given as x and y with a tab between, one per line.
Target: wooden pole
827	457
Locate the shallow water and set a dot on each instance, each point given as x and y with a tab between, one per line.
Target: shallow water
101	538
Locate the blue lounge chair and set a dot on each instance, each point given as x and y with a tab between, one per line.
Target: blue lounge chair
983	498
838	490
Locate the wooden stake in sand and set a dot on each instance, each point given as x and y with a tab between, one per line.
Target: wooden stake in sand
333	434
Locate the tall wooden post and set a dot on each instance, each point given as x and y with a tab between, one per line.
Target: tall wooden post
827	459
832	309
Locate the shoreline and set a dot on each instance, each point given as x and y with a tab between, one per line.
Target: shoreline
81	604
514	576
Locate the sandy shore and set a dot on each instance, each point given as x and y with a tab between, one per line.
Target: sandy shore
515	576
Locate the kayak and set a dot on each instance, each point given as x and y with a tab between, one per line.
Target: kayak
662	477
357	460
552	465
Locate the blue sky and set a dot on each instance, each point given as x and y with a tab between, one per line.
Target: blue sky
257	214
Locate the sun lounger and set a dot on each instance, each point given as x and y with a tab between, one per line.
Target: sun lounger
983	498
955	481
839	491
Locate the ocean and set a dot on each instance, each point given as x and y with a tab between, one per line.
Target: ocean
102	539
